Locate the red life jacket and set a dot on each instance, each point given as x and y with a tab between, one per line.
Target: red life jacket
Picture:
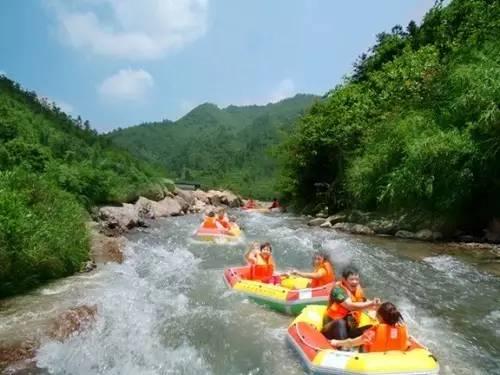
327	278
262	270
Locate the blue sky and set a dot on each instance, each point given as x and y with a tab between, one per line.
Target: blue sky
122	62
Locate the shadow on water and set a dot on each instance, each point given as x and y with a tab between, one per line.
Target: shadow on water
166	310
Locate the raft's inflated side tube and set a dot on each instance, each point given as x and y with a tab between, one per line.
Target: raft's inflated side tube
282	297
212	234
318	355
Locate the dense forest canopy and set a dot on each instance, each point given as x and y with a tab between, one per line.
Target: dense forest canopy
221	148
53	168
415	128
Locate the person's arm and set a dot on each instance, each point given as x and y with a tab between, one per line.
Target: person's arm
357	306
250	257
349	343
311	275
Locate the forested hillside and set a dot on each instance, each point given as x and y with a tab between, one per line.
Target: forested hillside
221	148
415	129
52	168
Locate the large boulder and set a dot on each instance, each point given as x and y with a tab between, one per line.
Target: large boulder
230	199
182	202
198	206
354	228
202	196
117	220
144	208
187	195
167	207
405	234
214	197
316	222
424	235
334	219
384	226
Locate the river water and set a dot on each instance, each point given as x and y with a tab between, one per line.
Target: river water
166	309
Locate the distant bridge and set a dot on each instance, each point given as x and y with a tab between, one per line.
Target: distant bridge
187	185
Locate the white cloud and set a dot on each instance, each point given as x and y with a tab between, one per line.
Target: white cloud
2	73
127	84
130	29
285	89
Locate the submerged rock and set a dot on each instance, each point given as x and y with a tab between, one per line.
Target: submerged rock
73	321
106	249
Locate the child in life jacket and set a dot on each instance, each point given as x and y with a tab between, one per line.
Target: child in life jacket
389	334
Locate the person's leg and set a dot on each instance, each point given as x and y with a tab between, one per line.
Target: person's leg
335	329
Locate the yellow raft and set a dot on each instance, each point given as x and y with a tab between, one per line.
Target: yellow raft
304	335
216	235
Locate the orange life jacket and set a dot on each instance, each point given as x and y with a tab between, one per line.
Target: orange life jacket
262	270
337	311
388	337
209	223
327	278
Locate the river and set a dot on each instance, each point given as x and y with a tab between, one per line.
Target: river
166	309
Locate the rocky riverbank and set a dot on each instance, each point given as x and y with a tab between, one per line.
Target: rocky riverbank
365	223
107	245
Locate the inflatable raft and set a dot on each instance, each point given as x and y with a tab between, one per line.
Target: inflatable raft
289	297
208	234
320	357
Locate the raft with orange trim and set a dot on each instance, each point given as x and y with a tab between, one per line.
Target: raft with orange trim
215	234
290	297
320	357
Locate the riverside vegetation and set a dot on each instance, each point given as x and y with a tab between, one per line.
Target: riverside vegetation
414	130
53	169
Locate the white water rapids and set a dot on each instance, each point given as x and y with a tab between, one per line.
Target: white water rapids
166	309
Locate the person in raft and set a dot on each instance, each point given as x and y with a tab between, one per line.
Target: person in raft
275	204
250	204
346	302
323	271
210	222
262	263
222	219
389	334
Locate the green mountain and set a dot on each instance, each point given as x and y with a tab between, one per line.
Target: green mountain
52	168
221	148
416	128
